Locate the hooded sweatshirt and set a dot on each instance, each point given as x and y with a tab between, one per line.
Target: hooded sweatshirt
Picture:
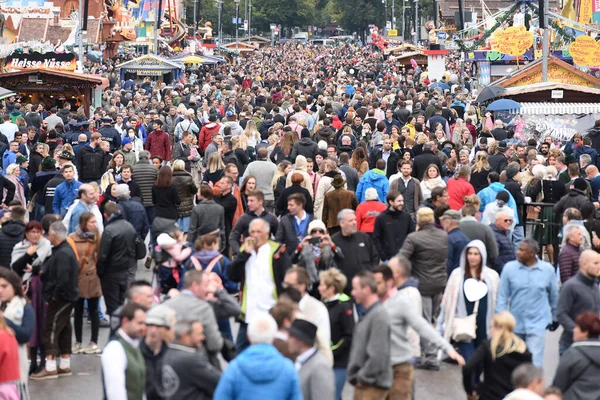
259	372
454	303
578	371
301	167
376	179
488	195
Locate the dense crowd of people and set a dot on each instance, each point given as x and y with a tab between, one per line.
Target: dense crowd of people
354	219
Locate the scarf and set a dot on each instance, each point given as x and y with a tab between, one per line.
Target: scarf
84	235
433	183
43	252
206	256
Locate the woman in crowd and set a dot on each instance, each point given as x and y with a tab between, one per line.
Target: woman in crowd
283	149
20	317
9	363
331	288
115	166
214	169
578	370
165	196
480	171
314	177
186	190
297	180
497	358
13	171
359	161
248	185
431	179
325	186
279	177
252	135
301	167
240	153
456	303
27	259
86	242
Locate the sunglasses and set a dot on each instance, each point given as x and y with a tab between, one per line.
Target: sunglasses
317	231
508	220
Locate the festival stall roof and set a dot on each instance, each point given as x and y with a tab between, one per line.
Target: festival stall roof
57	33
33	29
449	8
404	59
401	48
257	41
544	91
41	82
241	47
151	65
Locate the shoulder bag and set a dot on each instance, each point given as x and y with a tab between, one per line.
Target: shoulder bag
465	329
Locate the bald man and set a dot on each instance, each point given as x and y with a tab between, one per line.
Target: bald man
593	176
87	199
578	294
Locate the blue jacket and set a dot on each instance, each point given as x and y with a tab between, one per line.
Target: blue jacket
488	195
456	243
595	184
506	249
135	214
8	158
79	209
64	196
587	150
376	179
259	373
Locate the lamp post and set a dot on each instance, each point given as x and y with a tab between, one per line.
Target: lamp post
220	5
237	20
250	18
195	23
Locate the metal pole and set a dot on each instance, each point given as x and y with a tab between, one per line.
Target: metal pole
385	16
80	39
417	33
544	25
246	15
250	18
403	19
220	5
393	14
195	22
237	20
435	14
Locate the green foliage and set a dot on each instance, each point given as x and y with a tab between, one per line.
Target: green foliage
287	13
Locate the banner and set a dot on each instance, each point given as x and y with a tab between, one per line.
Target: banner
585	51
514	40
585	11
53	61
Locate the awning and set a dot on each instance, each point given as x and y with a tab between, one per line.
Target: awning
557	108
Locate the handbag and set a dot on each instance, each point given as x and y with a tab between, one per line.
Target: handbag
140	248
465	328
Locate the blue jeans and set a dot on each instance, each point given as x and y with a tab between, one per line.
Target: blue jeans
518	235
535	344
39	212
562	347
467	349
340	381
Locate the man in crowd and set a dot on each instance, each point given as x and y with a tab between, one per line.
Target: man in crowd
186	362
261	371
133	211
369	365
12	232
409	187
354	250
66	192
123	367
568	258
158	143
159	322
293	227
256	209
60	291
429	267
260	266
116	265
392	227
502	234
263	170
457	240
577	295
91	160
207	216
529	285
144	174
88	197
126	177
191	305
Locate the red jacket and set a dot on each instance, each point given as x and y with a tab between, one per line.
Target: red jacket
366	213
247	84
158	144
206	133
457	190
9	357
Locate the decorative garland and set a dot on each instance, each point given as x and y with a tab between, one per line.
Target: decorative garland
481	41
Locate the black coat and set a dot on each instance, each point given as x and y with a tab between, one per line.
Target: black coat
145	175
91	163
281	205
390	231
243	224
287	235
506	249
575	198
166	201
479	180
60	274
117	247
341	321
423	161
498	162
305	147
10	190
515	190
11	233
35	160
186	190
392	162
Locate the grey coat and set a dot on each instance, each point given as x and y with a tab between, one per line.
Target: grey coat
145	175
429	267
206	217
370	360
316	378
189	307
475	230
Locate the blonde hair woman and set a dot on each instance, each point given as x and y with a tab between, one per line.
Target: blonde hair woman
251	134
497	358
12	174
214	168
480	171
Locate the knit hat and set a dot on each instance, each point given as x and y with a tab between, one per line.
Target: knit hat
512	171
21	159
65	155
305	133
371	194
212	118
580	184
452	215
338	181
316	224
160	315
125	141
425	215
48	164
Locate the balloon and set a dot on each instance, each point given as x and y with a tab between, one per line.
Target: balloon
413	63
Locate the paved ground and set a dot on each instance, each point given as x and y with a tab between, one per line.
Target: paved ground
86	380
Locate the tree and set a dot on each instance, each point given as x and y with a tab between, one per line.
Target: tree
287	13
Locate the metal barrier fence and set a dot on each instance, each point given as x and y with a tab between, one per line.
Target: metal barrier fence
544	221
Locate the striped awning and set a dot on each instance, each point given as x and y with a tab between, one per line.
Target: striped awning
557	108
